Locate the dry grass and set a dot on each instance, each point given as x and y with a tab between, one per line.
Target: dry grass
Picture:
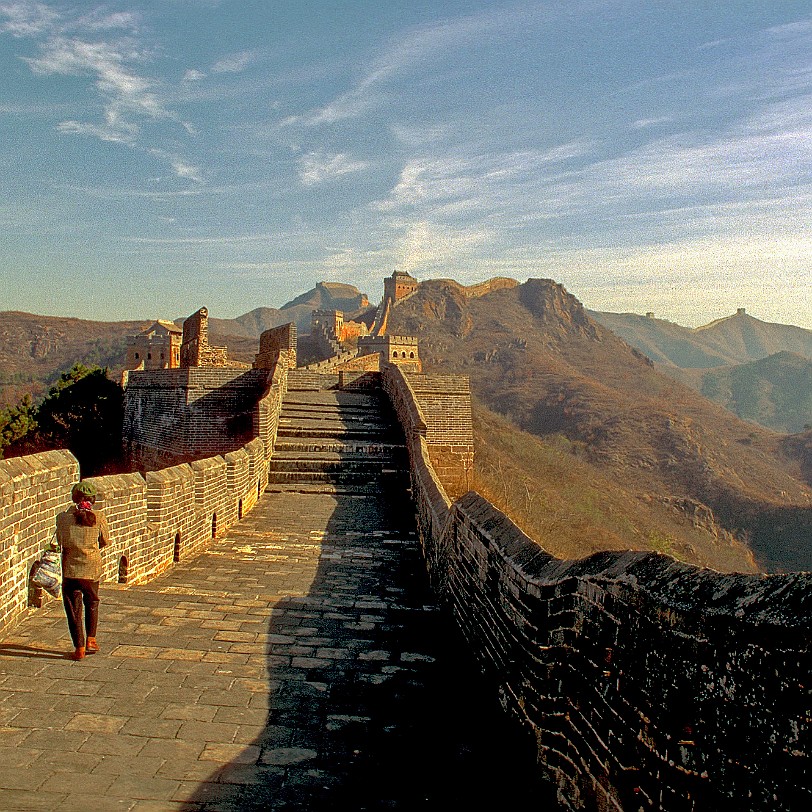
573	510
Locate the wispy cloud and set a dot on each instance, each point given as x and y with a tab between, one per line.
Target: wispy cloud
488	178
414	48
104	47
187	171
317	167
426	245
236	63
26	19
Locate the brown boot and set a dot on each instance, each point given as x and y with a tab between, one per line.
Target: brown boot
92	646
79	654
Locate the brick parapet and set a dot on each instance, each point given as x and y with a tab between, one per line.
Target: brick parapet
33	490
153	517
645	683
176	415
441	406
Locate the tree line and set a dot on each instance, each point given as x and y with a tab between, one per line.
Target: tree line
82	412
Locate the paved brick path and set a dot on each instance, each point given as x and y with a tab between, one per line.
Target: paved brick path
303	667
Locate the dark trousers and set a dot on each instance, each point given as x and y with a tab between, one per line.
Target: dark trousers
77	592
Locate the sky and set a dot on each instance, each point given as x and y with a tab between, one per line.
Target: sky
649	155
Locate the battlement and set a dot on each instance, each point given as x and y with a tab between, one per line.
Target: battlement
400	350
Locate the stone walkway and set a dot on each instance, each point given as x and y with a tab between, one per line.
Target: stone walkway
303	667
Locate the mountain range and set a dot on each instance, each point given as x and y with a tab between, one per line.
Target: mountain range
760	371
716	490
587	431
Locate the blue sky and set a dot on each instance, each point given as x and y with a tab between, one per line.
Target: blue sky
650	155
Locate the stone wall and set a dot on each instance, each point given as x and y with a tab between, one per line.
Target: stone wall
643	683
155	519
177	415
275	345
445	401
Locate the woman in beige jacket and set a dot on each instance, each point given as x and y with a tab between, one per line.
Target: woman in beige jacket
82	532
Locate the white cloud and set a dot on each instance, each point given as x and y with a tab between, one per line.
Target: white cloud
187	171
26	19
645	123
193	75
426	245
316	167
236	63
489	179
92	45
124	89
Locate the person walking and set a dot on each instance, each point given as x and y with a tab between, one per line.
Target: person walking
82	532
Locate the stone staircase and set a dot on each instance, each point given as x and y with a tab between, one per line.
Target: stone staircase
337	441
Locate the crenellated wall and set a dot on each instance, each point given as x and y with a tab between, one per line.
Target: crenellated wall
155	519
643	683
445	404
177	415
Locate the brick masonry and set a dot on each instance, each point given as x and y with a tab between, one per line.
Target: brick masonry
155	518
177	415
647	683
445	403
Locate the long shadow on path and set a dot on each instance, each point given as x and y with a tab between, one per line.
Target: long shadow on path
371	702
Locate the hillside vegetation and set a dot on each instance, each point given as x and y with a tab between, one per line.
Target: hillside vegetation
758	370
535	357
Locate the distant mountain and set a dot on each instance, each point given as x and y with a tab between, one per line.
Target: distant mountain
715	484
775	391
737	339
758	370
324	296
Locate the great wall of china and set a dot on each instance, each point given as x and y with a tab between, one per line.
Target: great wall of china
642	682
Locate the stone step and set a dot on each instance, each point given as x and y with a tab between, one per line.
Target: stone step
360	491
334	432
349	415
331	458
306	446
358	429
335	400
331	408
300	380
291	472
340	477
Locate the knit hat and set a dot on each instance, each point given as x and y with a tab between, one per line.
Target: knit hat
84	489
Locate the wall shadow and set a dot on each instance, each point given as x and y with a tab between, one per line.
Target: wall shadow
374	703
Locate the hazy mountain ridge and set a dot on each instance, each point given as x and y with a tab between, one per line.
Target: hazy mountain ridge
534	355
758	370
736	339
324	296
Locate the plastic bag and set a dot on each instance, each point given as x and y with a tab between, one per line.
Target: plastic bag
47	571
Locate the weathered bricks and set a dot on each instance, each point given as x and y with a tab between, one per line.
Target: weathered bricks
155	518
647	683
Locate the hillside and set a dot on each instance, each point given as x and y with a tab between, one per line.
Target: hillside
535	357
34	349
775	392
737	339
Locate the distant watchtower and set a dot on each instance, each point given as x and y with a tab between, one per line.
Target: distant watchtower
398	285
157	347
